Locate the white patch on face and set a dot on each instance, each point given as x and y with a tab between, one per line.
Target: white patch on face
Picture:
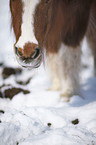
27	27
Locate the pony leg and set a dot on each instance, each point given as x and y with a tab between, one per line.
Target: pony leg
69	66
92	45
52	61
91	33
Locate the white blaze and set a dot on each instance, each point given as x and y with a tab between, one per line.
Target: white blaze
27	27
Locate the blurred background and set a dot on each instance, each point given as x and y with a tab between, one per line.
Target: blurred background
7	38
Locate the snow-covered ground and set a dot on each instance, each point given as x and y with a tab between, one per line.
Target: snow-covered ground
41	117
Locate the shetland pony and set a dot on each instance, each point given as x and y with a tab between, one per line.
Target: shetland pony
59	26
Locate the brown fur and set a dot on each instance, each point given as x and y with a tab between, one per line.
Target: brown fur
28	50
66	22
16	8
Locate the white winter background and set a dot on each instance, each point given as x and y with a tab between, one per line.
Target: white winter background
41	117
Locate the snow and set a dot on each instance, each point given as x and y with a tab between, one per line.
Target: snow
41	117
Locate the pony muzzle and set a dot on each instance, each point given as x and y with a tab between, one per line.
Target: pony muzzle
31	61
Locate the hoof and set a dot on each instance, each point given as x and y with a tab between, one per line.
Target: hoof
66	97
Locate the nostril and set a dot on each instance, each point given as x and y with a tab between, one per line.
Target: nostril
36	53
16	49
17	52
